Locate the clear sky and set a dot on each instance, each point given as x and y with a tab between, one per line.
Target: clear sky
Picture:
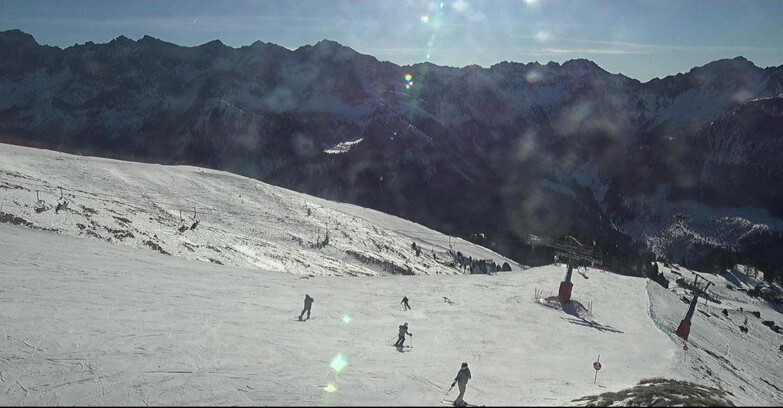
642	39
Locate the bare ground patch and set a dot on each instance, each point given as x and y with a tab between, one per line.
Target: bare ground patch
659	392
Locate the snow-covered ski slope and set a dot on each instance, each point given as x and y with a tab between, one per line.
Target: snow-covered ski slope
89	322
242	222
92	323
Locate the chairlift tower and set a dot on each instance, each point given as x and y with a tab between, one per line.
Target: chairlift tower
684	329
571	250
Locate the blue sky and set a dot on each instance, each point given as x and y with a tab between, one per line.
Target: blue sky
638	38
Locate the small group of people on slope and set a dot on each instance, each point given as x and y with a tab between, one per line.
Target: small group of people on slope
461	380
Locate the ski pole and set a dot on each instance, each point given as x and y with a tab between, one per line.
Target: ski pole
452	386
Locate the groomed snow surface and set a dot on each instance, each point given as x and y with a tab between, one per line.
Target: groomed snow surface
91	322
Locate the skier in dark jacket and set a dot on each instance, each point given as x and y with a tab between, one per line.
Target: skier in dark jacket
308	303
405	302
403	332
462	381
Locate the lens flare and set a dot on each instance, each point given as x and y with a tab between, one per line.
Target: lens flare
460	6
543	36
330	388
742	96
338	363
425	19
534	77
408	77
347	319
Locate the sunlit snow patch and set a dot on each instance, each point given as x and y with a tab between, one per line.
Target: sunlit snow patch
342	147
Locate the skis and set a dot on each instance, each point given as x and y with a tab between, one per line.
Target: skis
450	402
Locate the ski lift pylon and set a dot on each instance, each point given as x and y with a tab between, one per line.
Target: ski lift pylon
195	221
40	205
62	202
182	226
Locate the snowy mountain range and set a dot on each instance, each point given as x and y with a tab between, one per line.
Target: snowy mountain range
114	293
686	165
